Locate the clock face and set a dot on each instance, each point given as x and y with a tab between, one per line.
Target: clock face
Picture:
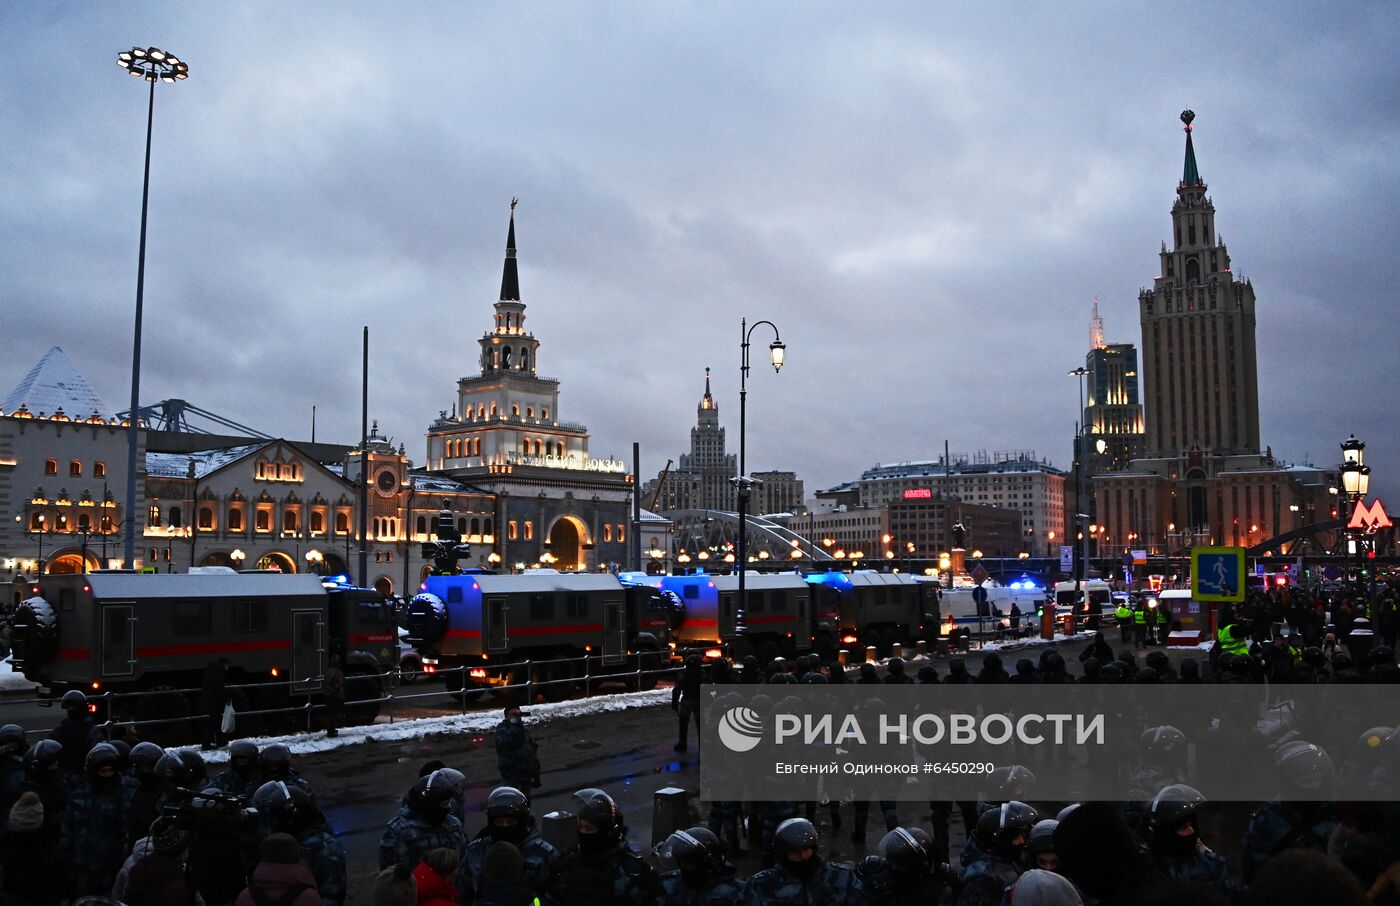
387	482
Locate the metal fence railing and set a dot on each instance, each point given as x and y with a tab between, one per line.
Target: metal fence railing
525	678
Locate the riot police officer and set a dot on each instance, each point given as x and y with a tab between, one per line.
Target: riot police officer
77	733
288	809
141	808
241	777
1300	817
179	769
1174	839
703	877
905	871
800	874
43	777
1000	840
685	699
601	867
508	820
424	822
1161	762
92	836
13	745
1040	846
275	763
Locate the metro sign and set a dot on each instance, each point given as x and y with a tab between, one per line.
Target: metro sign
1369	519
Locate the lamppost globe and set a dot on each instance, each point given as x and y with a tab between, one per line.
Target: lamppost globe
777	351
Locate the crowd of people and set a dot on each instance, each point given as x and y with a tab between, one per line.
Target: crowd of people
85	817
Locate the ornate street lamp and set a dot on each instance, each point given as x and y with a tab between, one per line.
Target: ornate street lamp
777	352
153	65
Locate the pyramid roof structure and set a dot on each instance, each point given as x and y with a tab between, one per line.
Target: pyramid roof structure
55	384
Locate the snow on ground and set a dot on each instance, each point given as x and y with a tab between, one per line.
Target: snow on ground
10	681
472	722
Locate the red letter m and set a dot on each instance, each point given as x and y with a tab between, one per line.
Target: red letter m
1369	519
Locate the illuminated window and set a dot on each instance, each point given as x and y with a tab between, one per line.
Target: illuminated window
84	523
480	410
493	410
421	525
476	446
206	518
607	533
487	527
476	526
263	521
99	469
318	522
559	449
153	517
289	521
529	530
510	530
50	467
544	413
342	522
529	411
619	535
235	520
515	411
75	469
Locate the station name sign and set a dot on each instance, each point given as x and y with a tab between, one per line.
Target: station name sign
576	463
918	494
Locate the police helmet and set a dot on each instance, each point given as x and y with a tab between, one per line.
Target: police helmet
814	678
507	802
693	661
1382	654
1042	836
1161	740
1304	766
696	848
12	734
907	849
44	754
1371	740
795	835
1065	812
1312	656
998	828
144	756
1342	661
242	749
181	766
73	700
287	806
124	753
102	755
582	796
1112	672
1012	782
602	812
456	781
276	760
430	791
896	666
1172	807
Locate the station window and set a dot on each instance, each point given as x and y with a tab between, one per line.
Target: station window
153	517
289	521
263	521
607	532
235	520
176	517
75	468
50	467
576	606
511	530
529	530
206	518
620	539
318	522
342	523
99	469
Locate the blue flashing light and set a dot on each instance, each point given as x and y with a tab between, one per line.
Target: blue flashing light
337	580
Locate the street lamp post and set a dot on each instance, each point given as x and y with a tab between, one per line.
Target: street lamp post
1081	518
776	351
1356	482
153	65
237	557
314	559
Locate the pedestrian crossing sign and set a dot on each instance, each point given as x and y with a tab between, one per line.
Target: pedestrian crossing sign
1217	573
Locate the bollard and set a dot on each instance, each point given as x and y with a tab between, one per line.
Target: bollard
559	830
922	648
870	656
670	812
842	657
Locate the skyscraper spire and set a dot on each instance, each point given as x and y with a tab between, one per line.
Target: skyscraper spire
510	277
1190	176
1096	328
708	401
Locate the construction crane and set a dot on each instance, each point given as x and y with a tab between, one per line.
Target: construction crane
660	483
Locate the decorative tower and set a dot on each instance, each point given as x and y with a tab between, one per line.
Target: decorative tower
1096	327
508	347
1200	374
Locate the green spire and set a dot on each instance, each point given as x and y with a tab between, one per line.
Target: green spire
1190	176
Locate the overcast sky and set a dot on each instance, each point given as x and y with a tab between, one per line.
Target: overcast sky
924	198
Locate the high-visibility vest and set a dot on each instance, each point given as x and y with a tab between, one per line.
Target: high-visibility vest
1124	614
1232	643
1140	616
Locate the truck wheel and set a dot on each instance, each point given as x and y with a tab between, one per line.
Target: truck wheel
410	670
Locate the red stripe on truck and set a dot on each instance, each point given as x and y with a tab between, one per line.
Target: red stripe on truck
214	648
555	630
464	633
75	654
